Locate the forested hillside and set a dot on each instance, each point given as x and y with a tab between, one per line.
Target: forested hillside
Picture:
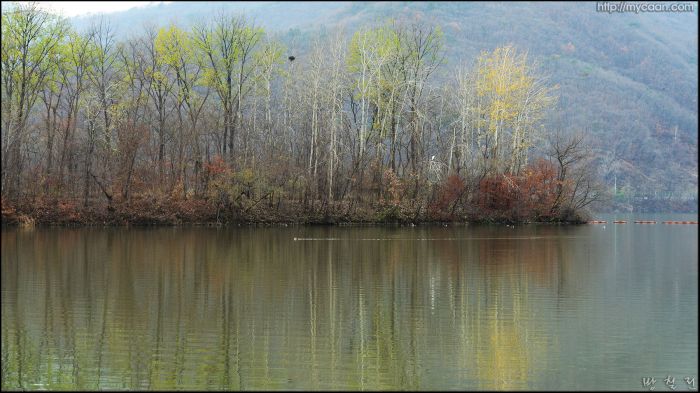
347	111
627	80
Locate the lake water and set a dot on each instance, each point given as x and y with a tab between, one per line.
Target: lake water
465	307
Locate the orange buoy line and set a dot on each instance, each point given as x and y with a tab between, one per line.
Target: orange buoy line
643	222
680	222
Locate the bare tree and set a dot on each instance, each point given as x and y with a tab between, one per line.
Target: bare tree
577	185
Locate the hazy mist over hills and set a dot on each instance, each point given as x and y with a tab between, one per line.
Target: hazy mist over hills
627	80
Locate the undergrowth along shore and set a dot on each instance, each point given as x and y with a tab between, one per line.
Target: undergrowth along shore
146	212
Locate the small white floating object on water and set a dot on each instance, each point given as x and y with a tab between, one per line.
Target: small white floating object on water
295	239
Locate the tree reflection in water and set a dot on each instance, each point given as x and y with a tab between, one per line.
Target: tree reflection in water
378	308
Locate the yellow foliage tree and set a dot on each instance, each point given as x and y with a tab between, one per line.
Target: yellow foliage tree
510	103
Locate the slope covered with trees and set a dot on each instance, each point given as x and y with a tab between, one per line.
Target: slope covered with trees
214	121
627	80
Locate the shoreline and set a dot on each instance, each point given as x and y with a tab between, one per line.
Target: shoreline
285	224
198	214
31	222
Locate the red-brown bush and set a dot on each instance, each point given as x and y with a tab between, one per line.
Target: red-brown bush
529	196
448	196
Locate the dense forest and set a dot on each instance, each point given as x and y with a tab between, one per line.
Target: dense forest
219	122
628	81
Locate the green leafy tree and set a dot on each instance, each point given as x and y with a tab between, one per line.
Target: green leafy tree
29	39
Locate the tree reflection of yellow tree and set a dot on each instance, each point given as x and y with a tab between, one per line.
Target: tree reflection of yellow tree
254	310
506	348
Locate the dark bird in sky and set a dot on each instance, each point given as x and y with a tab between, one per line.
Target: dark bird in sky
291	58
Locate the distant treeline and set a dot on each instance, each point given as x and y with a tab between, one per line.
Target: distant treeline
221	123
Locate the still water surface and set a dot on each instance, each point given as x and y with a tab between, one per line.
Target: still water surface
472	307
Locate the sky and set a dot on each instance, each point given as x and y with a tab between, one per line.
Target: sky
75	8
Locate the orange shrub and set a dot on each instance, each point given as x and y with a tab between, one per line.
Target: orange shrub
538	188
448	194
394	187
497	194
529	196
217	166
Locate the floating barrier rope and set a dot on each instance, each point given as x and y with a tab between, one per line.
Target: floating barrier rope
644	222
680	222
